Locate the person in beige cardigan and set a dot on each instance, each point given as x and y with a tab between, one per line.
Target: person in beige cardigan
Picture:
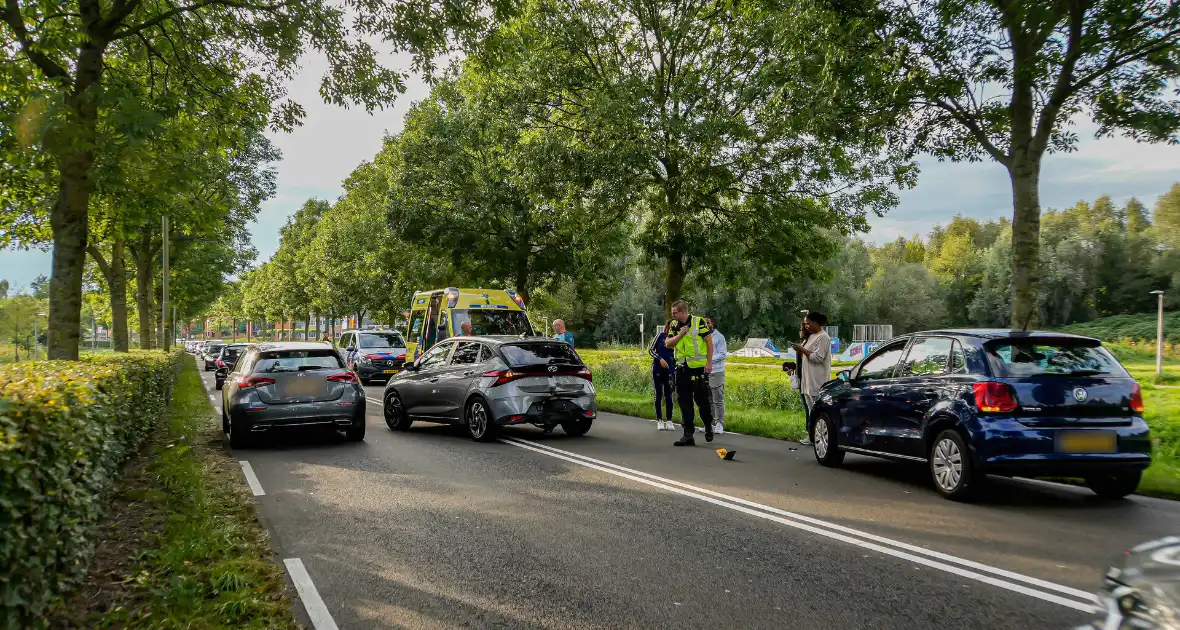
814	358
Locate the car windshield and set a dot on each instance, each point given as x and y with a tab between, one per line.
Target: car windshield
1047	357
543	353
382	340
492	321
297	361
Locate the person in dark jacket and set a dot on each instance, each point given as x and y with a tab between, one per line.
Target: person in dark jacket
663	364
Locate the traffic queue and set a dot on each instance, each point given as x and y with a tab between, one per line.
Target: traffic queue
964	403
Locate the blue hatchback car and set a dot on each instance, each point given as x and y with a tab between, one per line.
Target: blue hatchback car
969	403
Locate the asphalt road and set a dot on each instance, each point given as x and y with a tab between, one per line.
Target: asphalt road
619	529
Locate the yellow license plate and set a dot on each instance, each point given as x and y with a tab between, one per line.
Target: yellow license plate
1087	442
391	371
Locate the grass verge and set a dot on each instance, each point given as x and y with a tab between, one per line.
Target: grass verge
182	547
772	423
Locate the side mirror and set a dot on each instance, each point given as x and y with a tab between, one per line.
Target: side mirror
844	375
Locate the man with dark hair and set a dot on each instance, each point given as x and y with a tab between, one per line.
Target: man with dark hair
692	339
815	364
717	375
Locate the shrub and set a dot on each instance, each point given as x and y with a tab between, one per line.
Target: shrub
66	427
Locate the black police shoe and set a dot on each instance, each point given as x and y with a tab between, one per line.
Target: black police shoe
685	440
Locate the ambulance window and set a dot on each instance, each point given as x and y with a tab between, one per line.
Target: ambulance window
416	325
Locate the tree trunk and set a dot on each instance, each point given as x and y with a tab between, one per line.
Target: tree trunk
69	217
674	282
1026	244
115	274
144	283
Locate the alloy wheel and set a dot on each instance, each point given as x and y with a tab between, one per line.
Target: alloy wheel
477	420
948	464
820	442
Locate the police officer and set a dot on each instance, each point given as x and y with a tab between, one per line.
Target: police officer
692	339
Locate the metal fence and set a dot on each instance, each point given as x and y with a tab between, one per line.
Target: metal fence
871	332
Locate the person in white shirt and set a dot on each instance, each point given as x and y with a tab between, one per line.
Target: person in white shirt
717	376
815	363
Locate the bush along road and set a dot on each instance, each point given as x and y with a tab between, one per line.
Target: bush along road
120	506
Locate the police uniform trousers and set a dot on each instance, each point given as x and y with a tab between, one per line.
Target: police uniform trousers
692	385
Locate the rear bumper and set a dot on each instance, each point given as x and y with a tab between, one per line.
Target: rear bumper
255	417
544	412
1004	446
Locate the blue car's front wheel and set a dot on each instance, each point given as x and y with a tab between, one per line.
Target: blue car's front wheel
823	440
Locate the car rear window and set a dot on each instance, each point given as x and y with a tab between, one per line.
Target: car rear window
297	360
543	353
1047	357
382	340
232	352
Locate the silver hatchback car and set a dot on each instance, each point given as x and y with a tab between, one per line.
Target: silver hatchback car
489	382
291	384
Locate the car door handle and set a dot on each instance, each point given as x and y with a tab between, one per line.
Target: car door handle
434	380
879	395
469	373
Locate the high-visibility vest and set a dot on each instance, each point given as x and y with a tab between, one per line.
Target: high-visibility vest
691	348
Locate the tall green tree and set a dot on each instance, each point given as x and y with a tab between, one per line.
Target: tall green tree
69	51
1002	80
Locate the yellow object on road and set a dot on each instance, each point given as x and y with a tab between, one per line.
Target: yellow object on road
724	454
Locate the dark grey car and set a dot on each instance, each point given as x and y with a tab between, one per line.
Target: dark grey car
291	384
488	382
209	354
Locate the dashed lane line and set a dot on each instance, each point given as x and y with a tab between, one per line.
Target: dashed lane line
251	478
321	619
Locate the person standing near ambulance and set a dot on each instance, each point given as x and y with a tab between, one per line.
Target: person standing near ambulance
692	340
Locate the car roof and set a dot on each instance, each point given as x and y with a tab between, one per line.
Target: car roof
241	344
371	330
1004	333
268	346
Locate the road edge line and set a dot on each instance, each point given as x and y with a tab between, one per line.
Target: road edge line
1087	607
321	619
251	478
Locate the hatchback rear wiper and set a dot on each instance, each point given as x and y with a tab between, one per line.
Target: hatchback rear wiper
304	368
1085	372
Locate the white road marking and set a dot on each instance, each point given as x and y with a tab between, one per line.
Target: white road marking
321	619
918	555
373	400
251	478
212	399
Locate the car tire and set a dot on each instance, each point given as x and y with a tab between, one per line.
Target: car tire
951	468
577	427
480	424
355	433
237	438
395	413
824	440
1114	486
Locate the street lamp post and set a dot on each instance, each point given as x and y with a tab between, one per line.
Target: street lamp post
640	331
1159	335
36	344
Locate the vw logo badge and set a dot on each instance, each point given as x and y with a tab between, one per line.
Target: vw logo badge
552	368
1079	394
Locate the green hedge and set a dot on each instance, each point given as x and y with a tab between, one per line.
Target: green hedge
66	427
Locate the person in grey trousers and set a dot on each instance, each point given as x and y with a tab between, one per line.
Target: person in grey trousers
717	376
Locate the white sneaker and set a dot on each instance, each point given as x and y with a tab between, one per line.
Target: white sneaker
718	428
805	441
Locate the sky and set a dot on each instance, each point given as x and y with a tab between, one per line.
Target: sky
333	141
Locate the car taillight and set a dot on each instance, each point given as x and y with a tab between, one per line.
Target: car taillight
347	377
1137	399
585	373
246	382
994	397
503	376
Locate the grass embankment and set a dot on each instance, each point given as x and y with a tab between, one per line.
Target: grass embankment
760	402
182	546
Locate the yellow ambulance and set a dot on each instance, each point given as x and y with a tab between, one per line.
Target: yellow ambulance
438	314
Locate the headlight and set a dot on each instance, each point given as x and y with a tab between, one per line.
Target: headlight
364	361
